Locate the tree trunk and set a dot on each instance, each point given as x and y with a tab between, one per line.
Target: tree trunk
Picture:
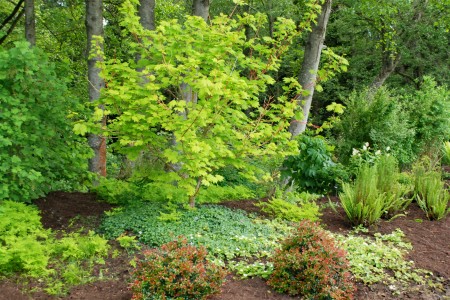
30	22
147	14
201	8
94	27
308	72
389	63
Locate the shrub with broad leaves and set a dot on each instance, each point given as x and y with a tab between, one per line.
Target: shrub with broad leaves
176	270
310	264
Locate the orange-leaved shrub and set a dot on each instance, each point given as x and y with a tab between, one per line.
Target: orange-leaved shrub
310	264
176	270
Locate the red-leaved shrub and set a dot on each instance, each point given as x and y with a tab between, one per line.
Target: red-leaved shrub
311	265
176	270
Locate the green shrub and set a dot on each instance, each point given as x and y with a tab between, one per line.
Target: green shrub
24	244
310	264
428	112
312	169
362	201
216	193
29	250
37	146
378	119
176	270
431	193
116	191
282	209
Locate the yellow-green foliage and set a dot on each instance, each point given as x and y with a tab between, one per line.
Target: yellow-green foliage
23	241
28	249
284	210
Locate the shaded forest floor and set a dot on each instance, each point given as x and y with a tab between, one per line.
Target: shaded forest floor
66	211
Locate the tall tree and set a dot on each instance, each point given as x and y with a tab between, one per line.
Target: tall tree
94	30
308	72
30	22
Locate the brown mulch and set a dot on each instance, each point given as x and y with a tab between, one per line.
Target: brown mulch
430	239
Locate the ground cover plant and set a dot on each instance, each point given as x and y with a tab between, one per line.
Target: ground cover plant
227	235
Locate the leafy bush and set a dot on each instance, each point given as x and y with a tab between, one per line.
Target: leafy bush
37	146
23	240
176	270
428	110
28	249
378	119
310	264
312	169
431	193
115	191
282	209
216	193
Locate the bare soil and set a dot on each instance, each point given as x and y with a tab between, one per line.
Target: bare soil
65	211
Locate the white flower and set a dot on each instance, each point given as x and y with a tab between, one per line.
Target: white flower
378	152
355	151
388	148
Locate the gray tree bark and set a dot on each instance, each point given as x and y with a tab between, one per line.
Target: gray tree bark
308	72
147	14
201	8
30	22
94	27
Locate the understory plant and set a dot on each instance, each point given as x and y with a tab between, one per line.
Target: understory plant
176	270
361	200
29	250
312	169
310	264
379	190
282	209
38	150
233	239
394	185
431	193
377	118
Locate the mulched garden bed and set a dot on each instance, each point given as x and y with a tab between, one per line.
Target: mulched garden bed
431	242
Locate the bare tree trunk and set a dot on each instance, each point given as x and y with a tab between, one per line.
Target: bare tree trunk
308	72
147	14
201	8
94	27
30	22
